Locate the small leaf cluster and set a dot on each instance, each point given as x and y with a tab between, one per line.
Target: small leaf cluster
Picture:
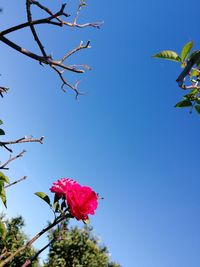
191	99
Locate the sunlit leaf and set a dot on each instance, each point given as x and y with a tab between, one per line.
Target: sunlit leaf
186	50
2	230
169	55
197	107
193	91
4	178
183	104
44	197
3	194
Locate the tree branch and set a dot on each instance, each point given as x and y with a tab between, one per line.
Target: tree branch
15	182
29	243
24	139
29	261
3	166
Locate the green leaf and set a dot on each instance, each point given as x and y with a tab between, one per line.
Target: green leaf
3	194
2	230
183	104
169	55
186	50
1	122
4	178
197	107
193	91
2	132
44	197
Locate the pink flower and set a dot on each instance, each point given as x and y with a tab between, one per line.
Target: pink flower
82	200
62	186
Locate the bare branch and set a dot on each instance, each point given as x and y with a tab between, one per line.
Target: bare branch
24	139
16	182
29	16
81	46
3	166
29	261
56	19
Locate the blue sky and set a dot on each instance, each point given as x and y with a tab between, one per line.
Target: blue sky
124	138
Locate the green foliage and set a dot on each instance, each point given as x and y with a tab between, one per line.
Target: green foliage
77	248
13	238
183	104
3	179
44	197
187	60
186	50
169	55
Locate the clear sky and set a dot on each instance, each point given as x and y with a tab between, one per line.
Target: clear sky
124	138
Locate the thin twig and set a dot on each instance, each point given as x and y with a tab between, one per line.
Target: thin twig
29	261
81	46
3	166
16	182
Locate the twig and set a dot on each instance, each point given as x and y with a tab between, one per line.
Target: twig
3	166
29	16
24	139
29	261
81	46
16	182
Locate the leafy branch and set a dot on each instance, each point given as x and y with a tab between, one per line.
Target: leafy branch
190	74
